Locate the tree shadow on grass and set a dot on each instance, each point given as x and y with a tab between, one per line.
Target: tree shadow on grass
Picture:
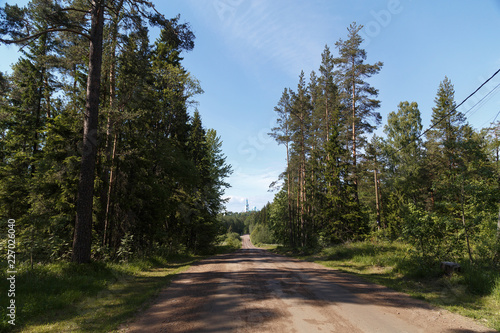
87	297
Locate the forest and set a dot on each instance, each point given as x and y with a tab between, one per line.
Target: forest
103	151
437	188
110	184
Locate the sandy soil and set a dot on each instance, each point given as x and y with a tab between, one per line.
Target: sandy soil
253	290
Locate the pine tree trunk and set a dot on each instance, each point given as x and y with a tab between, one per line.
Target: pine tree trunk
302	186
354	162
376	198
289	184
112	78
465	225
327	124
498	227
111	150
83	225
110	188
297	213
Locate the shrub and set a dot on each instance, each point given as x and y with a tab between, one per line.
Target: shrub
261	235
232	240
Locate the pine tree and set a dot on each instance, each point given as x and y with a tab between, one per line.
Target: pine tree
281	133
300	127
358	96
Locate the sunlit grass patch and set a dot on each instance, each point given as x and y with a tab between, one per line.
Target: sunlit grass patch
96	297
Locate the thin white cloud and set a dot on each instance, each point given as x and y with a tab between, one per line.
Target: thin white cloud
288	35
255	186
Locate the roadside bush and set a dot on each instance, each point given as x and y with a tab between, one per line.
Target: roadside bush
232	240
261	235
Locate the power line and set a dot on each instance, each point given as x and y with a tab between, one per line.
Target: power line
453	110
456	107
481	100
496	117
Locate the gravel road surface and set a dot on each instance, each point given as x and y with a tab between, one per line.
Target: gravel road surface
253	290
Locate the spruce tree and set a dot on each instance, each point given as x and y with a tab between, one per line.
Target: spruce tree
404	173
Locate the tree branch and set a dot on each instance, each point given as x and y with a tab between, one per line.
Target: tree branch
75	10
25	39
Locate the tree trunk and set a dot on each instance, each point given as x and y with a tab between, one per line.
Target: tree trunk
111	151
376	198
110	188
498	227
327	124
354	162
465	225
289	184
83	225
112	78
302	184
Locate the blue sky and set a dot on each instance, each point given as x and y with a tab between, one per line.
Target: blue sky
247	51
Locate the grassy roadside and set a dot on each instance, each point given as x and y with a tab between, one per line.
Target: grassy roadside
98	297
474	293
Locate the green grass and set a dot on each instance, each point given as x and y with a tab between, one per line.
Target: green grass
269	247
97	297
474	293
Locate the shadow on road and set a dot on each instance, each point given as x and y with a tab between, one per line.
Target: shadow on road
252	287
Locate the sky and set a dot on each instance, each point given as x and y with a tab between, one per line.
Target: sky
247	51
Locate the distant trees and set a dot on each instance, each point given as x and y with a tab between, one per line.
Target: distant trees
438	191
149	172
247	222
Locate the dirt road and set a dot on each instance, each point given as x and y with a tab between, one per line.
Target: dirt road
253	290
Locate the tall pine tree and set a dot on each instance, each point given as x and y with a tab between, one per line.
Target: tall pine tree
357	94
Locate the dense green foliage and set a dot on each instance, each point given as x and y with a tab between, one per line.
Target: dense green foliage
261	235
255	223
231	240
437	190
323	125
159	174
